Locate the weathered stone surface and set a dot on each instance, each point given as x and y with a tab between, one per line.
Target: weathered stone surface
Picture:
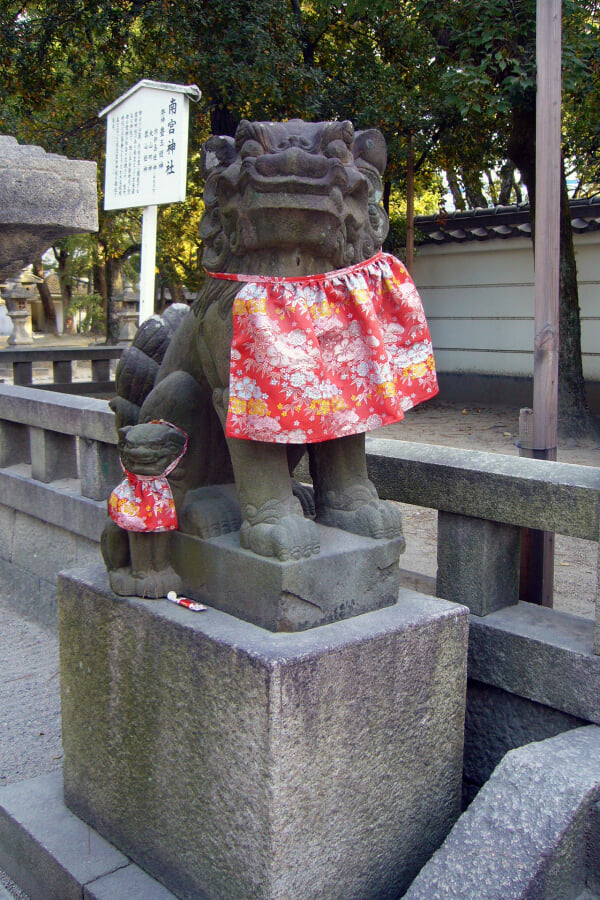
53	855
65	853
7	530
34	597
350	575
531	832
597	630
497	722
83	416
229	761
59	505
32	553
53	455
43	197
99	468
130	883
478	562
532	493
538	653
14	444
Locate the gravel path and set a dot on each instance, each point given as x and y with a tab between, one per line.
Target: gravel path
29	707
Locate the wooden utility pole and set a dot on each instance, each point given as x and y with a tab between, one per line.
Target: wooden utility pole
547	259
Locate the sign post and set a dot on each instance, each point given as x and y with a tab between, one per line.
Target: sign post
148	262
146	161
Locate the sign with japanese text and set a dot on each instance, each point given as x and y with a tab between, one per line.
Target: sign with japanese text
146	145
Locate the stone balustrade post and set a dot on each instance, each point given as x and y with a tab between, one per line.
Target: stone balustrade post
23	373
62	371
478	562
14	443
101	370
99	468
53	455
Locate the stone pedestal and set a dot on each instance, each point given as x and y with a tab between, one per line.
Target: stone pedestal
229	761
128	325
21	333
350	575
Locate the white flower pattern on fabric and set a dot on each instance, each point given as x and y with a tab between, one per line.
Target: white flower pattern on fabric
329	355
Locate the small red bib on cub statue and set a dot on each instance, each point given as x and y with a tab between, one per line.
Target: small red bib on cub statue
145	502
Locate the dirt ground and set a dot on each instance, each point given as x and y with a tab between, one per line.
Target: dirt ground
493	430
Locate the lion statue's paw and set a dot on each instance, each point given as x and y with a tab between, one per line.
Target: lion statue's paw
279	529
208	512
358	509
150	585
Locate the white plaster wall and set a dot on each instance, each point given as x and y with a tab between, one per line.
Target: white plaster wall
479	302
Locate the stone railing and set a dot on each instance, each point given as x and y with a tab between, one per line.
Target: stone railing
483	499
24	359
58	463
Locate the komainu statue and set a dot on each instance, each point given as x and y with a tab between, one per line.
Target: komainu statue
304	336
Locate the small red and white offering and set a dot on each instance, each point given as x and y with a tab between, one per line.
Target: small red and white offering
186	602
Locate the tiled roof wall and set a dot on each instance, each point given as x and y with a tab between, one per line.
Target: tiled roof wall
499	222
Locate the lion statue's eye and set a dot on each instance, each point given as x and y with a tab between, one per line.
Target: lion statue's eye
339	149
251	148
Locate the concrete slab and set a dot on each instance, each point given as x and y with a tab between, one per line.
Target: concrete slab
53	855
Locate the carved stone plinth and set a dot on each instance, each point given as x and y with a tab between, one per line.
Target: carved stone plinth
228	761
20	334
349	576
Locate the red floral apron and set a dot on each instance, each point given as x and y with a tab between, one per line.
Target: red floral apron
325	356
145	502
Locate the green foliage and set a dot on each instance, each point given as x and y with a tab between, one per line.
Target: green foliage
87	313
427	203
451	77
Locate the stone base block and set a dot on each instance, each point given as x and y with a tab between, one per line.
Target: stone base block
350	575
228	761
53	855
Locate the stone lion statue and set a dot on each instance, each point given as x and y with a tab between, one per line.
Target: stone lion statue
303	337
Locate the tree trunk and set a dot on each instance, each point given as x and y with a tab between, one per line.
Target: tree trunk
455	190
473	190
45	297
573	414
176	291
507	182
223	121
62	258
111	271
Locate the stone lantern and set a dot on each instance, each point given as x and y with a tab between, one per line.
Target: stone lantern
129	315
17	295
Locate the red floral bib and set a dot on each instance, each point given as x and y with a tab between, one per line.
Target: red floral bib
145	502
327	356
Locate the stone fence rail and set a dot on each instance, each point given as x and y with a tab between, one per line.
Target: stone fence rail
56	444
62	359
